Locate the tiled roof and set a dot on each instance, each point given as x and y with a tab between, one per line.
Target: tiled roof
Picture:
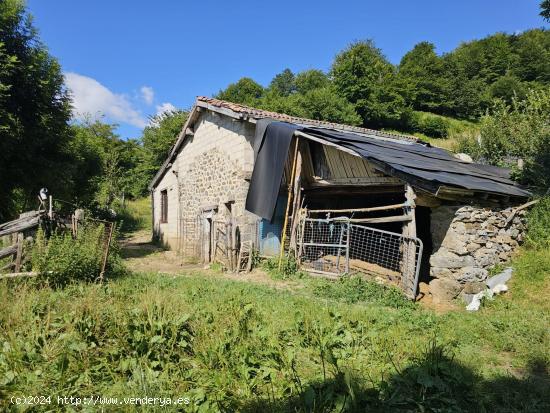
249	112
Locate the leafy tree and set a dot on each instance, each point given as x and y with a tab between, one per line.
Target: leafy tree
519	130
363	76
423	70
157	140
507	87
246	91
545	10
34	114
283	83
533	55
311	79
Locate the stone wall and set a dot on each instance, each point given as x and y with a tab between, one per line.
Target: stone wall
468	241
211	170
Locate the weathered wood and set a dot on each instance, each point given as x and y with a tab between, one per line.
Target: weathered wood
378	208
288	203
379	220
6	252
296	202
519	208
19	274
409	246
19	255
20	226
106	252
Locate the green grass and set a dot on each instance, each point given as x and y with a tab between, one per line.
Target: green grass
235	346
136	215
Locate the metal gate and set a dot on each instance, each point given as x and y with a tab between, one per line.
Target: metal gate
335	246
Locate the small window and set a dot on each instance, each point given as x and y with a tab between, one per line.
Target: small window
163	206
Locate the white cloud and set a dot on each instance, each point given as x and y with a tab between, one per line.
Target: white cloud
91	97
165	107
147	94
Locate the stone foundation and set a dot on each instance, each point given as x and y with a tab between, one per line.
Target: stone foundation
468	241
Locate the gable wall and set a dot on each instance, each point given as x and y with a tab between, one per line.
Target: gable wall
212	169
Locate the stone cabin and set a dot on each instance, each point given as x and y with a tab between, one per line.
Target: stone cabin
457	220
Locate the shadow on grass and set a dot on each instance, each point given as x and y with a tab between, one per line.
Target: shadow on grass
435	383
139	250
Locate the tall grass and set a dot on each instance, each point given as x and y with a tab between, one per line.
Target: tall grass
233	346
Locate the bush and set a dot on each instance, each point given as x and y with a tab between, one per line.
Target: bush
538	221
62	258
436	127
520	130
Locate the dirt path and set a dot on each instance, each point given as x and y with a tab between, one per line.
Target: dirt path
141	255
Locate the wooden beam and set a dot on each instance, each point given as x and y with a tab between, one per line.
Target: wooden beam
378	208
408	267
6	252
380	220
19	255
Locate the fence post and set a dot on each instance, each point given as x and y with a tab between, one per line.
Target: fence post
19	255
409	246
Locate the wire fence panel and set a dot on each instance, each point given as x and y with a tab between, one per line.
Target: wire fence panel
323	245
336	246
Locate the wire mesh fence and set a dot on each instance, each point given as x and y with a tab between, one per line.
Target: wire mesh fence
335	246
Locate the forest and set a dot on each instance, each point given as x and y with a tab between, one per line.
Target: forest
453	100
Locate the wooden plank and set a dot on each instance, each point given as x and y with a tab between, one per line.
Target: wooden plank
378	208
381	220
20	226
18	275
6	252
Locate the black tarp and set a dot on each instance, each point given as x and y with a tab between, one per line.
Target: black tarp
271	143
420	164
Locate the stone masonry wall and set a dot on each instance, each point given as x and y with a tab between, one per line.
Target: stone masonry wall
468	241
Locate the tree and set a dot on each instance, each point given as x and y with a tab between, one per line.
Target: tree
311	79
283	83
423	71
519	130
363	76
34	114
545	10
156	140
246	91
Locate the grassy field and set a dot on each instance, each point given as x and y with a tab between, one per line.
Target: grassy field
234	346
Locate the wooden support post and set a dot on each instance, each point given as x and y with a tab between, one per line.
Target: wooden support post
19	255
50	210
289	200
408	267
106	252
296	204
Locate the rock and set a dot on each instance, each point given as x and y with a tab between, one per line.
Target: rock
472	247
485	257
474	287
456	243
504	256
464	157
436	272
471	274
446	259
444	290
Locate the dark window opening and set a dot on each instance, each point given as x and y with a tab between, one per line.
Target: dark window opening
164	206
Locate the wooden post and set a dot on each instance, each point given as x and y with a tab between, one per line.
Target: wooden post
106	252
296	203
408	269
19	254
289	200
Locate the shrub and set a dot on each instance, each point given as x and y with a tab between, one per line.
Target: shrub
434	126
62	258
538	220
289	268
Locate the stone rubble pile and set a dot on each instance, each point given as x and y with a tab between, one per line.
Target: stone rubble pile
468	241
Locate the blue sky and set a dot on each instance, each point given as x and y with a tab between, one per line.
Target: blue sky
130	59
